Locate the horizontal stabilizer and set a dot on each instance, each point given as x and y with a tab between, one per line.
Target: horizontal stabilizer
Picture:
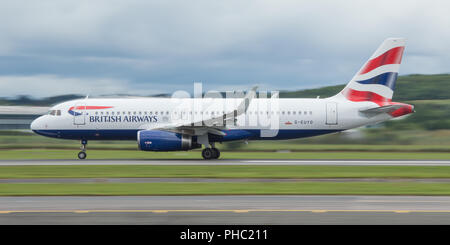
379	110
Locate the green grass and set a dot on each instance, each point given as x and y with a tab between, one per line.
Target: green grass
127	154
10	140
302	188
218	171
136	154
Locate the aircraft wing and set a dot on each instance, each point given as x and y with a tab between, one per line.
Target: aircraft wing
212	125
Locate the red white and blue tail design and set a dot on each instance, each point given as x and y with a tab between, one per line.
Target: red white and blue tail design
375	81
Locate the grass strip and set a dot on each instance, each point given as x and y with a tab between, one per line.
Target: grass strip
257	188
135	154
222	171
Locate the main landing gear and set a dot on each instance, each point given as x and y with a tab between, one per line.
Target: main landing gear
82	154
210	153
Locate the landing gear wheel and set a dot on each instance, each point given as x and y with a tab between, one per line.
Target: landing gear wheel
208	154
82	155
216	153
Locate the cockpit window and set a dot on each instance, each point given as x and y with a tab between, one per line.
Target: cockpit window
54	112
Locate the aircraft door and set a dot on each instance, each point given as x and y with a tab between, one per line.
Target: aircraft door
79	114
332	118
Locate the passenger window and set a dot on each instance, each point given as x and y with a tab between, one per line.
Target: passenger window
58	112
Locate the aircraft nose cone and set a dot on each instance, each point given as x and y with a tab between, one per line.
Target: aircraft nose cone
33	125
36	124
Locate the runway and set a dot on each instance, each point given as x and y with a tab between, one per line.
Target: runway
229	162
226	210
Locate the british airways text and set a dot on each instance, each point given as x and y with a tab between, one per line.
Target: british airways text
101	119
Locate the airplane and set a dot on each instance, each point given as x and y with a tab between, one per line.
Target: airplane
177	124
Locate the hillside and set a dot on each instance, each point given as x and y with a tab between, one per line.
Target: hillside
411	87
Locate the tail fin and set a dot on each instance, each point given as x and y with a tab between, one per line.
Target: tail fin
375	81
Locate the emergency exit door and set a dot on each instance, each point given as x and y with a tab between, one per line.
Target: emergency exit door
332	117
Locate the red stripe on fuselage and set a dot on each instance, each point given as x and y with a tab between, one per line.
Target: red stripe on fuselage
392	56
89	107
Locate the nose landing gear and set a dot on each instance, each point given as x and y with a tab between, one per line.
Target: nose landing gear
82	154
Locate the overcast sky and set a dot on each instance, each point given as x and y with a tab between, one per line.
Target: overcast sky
147	47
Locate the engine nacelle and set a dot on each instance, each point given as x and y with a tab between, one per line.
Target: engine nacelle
157	140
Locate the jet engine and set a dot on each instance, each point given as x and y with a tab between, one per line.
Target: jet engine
158	140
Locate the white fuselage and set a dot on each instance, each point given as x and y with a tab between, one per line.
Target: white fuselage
122	118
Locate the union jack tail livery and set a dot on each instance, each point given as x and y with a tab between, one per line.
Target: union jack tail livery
375	81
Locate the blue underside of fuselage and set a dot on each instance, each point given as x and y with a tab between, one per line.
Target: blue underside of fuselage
234	134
